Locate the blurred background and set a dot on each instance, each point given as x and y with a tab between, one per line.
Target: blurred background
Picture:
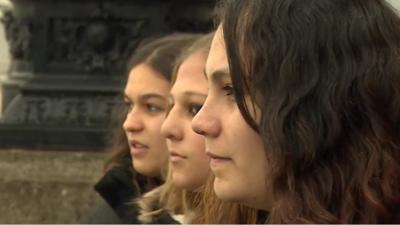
62	67
61	72
395	3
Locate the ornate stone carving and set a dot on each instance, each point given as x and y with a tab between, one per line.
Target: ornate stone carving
98	44
18	34
63	110
191	17
66	57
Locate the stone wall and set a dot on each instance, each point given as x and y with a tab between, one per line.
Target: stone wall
45	186
48	186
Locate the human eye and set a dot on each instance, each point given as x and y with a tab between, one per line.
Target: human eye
153	108
194	108
229	91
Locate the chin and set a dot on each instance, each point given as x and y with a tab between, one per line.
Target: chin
141	170
144	170
180	182
227	191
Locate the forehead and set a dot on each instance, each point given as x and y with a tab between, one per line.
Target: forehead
190	74
217	58
143	78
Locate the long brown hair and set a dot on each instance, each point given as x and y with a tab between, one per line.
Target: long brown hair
160	54
326	76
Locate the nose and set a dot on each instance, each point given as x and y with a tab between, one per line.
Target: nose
133	122
171	126
206	121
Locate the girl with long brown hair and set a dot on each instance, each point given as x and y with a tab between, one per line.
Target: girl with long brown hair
302	118
139	153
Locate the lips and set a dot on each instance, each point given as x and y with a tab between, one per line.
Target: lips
176	157
137	144
215	156
217	161
137	148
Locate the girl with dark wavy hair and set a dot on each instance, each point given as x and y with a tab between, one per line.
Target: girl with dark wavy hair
302	117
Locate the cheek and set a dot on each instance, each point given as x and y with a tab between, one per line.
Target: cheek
154	124
196	143
157	140
254	163
249	148
201	157
252	151
199	166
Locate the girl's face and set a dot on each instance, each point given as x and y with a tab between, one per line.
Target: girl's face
146	94
238	160
187	156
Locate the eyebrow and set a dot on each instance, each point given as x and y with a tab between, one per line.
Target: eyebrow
147	96
218	75
192	93
189	94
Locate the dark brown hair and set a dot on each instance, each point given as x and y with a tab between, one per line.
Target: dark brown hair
161	53
326	76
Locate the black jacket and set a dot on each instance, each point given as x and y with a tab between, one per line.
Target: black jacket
117	189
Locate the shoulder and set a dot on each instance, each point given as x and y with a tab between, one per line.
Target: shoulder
116	185
104	214
117	189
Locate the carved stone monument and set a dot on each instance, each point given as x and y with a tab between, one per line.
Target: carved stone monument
68	61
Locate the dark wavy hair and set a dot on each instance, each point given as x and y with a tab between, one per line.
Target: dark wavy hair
326	77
